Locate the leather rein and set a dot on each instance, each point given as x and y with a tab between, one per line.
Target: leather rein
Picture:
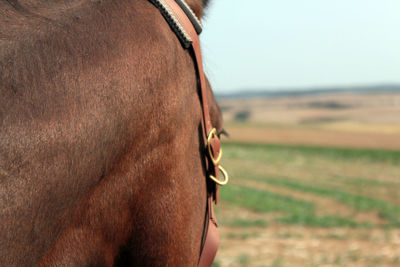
187	27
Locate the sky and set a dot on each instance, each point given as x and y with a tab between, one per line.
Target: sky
289	44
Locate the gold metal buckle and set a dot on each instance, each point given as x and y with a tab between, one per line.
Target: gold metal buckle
224	173
213	133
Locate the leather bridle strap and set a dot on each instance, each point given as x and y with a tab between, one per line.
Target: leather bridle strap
187	34
187	27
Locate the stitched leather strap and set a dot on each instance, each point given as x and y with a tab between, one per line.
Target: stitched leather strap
187	27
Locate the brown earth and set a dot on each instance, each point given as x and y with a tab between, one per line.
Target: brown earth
375	109
299	246
315	137
341	120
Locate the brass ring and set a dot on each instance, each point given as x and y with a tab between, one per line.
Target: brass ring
211	135
224	173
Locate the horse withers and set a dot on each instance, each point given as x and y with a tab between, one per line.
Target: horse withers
101	136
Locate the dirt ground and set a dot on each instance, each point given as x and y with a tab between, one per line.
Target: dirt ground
312	136
299	246
375	109
344	120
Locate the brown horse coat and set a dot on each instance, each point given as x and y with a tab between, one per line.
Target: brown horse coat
100	142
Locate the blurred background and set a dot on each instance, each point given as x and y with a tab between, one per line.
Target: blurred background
310	92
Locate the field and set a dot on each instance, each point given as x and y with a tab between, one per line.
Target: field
314	192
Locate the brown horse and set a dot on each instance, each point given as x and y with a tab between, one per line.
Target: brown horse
101	146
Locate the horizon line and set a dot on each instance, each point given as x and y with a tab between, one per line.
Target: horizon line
245	90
